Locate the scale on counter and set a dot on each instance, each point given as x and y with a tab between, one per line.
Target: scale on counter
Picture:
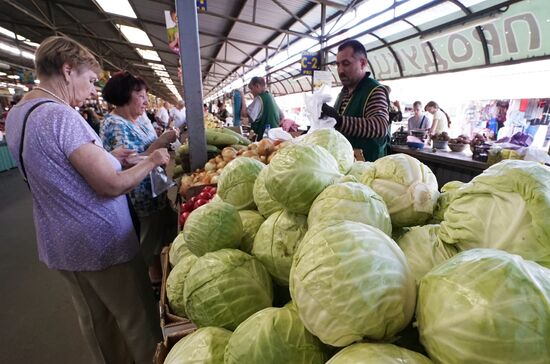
399	137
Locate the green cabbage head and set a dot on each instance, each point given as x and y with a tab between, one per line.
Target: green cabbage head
274	336
225	287
237	181
358	168
214	226
448	191
408	187
178	250
371	353
276	242
176	281
252	220
485	306
350	201
350	281
424	250
506	207
266	205
204	346
298	174
336	144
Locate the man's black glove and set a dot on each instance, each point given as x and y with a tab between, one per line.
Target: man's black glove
327	111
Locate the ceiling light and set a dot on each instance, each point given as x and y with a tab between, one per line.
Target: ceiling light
157	66
3	73
26	54
135	35
13	77
148	54
10	49
32	44
162	73
7	32
167	80
120	7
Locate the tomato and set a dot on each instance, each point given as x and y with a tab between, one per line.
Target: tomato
182	219
205	195
200	202
187	207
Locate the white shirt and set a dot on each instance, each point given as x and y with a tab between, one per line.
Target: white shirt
255	109
179	117
162	115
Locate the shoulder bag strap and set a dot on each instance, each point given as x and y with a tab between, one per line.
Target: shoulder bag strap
22	142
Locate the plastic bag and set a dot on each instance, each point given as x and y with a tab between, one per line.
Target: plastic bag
278	134
160	182
314	102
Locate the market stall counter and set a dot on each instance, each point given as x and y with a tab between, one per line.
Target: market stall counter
446	165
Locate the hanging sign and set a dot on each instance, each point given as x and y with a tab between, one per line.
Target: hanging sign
321	78
310	62
201	5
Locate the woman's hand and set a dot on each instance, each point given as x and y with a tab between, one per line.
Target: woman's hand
169	136
121	154
159	157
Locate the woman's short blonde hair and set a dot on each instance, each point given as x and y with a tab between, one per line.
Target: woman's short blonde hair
56	51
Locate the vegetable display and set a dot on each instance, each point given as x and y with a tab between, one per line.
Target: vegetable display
298	174
178	250
408	187
353	202
237	181
214	226
485	306
336	144
370	353
225	287
176	282
251	220
274	336
350	281
205	346
276	241
266	205
506	207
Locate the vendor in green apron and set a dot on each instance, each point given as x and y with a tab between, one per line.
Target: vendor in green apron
263	110
362	107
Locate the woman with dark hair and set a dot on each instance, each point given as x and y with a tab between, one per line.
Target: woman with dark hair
441	120
127	126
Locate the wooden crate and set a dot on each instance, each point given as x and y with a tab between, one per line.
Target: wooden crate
167	319
177	333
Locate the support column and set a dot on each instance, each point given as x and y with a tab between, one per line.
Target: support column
192	80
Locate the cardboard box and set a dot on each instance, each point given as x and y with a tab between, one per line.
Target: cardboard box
168	320
164	347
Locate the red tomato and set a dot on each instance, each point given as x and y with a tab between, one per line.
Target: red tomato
182	219
188	206
213	191
193	199
200	202
205	195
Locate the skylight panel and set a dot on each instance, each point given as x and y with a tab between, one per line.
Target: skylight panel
119	7
135	35
148	54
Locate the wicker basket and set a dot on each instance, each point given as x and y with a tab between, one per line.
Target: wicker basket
457	147
440	144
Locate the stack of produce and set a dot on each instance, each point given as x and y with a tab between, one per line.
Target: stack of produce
211	121
263	152
204	196
477	285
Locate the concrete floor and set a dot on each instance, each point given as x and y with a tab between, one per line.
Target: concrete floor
38	323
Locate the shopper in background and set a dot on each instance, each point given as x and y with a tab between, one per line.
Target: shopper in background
162	116
362	107
441	120
418	121
263	110
222	112
88	113
125	127
179	116
395	108
83	224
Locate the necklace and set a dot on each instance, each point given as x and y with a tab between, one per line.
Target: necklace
52	94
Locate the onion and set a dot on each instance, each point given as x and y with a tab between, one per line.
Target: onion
265	147
210	166
249	153
219	159
228	154
221	164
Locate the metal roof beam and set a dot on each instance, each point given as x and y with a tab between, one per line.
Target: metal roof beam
279	30
332	4
218	61
299	20
229	39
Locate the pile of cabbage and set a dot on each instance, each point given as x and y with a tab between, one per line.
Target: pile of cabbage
316	258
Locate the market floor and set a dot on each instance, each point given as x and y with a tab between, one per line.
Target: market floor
37	321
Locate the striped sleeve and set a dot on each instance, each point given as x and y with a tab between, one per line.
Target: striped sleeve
375	120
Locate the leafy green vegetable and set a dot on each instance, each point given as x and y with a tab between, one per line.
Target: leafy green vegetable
358	168
176	281
485	306
225	287
205	346
424	250
298	174
178	250
506	207
448	191
353	202
266	205
274	336
408	187
350	281
276	241
237	181
336	144
214	226
252	220
370	353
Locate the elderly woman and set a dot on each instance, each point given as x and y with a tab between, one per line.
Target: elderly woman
83	224
126	126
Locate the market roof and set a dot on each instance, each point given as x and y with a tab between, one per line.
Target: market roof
403	37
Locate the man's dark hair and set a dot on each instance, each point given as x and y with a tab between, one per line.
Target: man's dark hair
357	47
257	81
119	88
